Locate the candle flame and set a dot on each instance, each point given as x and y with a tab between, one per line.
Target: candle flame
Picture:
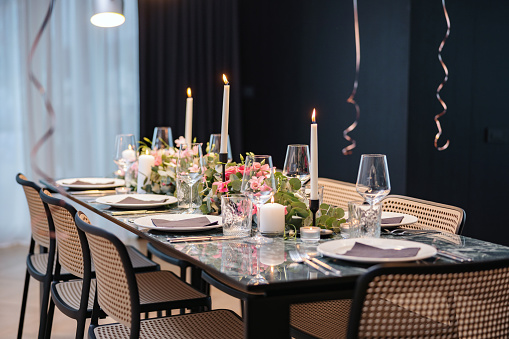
130	147
225	80
189	92
272	200
147	152
313	119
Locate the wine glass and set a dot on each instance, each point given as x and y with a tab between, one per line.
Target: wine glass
259	185
190	168
215	145
373	182
297	163
162	138
125	151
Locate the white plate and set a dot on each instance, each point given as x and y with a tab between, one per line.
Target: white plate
337	249
146	222
97	183
113	200
407	219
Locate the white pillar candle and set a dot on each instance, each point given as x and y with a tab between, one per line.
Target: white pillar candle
272	218
145	163
189	117
314	158
226	112
129	154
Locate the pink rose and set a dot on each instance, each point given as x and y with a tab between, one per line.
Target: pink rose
222	186
229	171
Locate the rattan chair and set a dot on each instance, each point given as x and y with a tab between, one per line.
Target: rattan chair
432	301
431	215
308	317
120	294
40	266
75	298
338	193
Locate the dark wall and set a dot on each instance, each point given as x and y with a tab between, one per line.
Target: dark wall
472	173
297	55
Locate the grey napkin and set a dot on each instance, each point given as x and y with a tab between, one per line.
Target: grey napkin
367	251
393	220
83	183
134	201
192	222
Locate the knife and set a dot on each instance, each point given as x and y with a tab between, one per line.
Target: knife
204	238
453	256
115	213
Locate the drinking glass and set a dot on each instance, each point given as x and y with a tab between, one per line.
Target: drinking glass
258	279
125	151
162	138
190	168
215	145
259	185
373	182
297	162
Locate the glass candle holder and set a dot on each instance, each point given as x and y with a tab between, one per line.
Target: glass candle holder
310	233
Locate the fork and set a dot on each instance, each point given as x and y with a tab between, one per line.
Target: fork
319	262
296	257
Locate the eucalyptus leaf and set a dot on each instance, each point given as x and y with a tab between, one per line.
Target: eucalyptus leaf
236	185
295	183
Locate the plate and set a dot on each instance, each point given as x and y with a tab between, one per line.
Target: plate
96	183
407	219
337	248
146	222
113	200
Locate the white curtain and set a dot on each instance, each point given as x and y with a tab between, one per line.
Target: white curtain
91	75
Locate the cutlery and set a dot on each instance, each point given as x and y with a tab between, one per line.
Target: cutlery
296	257
401	231
453	256
202	238
115	213
92	192
321	263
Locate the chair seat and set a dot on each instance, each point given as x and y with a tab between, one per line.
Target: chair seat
223	324
140	262
37	264
67	294
164	287
326	319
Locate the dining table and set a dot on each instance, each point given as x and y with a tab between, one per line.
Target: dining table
231	264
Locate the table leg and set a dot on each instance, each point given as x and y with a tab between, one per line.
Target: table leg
266	317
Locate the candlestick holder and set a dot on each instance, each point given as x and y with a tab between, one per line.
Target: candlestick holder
314	205
223	159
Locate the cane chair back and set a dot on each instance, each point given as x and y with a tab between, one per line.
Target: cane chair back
432	301
38	218
114	273
338	193
70	253
431	215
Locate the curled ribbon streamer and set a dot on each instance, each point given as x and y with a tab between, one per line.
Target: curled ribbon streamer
446	71
47	102
351	100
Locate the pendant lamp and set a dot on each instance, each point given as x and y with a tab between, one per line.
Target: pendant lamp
107	13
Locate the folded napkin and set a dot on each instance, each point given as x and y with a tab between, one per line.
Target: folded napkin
192	222
134	201
83	183
367	251
393	220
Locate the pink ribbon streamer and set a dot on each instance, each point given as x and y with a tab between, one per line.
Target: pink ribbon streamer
47	102
351	100
446	71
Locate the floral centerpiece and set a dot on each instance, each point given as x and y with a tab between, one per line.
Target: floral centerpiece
162	180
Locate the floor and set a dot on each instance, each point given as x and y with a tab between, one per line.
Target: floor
12	273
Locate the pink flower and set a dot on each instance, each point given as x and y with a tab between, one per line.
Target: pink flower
255	183
256	166
229	171
286	212
195	168
255	209
222	186
158	159
264	188
241	169
180	141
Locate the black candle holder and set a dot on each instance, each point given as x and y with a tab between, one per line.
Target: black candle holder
314	205
223	159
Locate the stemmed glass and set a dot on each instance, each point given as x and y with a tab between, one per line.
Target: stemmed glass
162	138
297	164
190	168
215	145
125	151
259	185
373	182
